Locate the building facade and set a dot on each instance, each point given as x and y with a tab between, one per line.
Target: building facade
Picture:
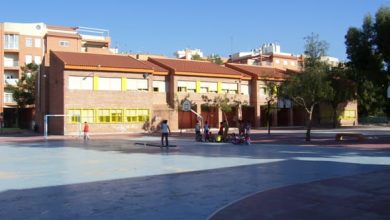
24	43
119	94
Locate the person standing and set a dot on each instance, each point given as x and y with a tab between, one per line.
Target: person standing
206	131
165	130
198	136
86	131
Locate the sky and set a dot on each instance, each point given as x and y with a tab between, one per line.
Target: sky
215	26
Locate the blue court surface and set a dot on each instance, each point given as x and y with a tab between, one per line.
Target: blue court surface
103	179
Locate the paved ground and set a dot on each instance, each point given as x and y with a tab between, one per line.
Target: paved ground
278	177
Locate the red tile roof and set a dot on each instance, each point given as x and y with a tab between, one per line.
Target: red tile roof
155	67
191	66
100	60
259	71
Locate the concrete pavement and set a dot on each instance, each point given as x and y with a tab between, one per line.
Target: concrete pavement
115	179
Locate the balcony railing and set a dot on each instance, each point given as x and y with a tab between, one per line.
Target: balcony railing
8	98
11	63
12	82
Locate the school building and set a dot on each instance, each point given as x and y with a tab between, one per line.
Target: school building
119	94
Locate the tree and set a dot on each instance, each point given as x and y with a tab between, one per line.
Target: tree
24	91
215	58
367	49
311	86
272	94
196	57
344	89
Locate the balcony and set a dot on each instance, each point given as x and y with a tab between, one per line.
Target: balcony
8	98
12	82
11	64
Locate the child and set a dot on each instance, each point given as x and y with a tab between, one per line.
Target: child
86	131
247	139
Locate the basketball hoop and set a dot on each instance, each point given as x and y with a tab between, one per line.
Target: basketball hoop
186	106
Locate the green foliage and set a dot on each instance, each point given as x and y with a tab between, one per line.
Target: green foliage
24	91
196	57
314	49
368	54
343	89
311	86
215	58
382	29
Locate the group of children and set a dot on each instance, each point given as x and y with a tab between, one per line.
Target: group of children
242	138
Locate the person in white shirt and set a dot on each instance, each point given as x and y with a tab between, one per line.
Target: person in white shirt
165	130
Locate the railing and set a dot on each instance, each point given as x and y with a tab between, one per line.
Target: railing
11	81
8	98
11	63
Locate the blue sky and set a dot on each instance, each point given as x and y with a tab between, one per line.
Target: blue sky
214	26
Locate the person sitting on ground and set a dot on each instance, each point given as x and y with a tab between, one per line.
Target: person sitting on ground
247	139
211	137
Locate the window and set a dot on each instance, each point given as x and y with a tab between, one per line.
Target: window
80	83
349	114
28	59
74	116
116	115
137	84
112	84
11	41
29	42
244	89
38	42
103	115
263	91
80	115
208	87
277	61
293	63
186	86
159	86
230	88
64	43
37	60
137	115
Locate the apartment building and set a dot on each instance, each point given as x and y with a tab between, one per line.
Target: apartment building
23	43
119	94
269	55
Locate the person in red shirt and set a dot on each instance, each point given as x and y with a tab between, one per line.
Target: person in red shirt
86	131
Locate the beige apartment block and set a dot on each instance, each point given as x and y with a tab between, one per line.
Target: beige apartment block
24	43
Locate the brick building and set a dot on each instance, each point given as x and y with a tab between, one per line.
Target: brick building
118	94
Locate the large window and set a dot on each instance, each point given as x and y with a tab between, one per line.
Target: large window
80	83
107	115
137	115
113	84
186	86
159	86
230	88
137	84
64	43
81	115
208	87
11	41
